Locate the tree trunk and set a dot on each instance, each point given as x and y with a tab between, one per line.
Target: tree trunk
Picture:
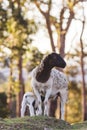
61	40
63	32
62	47
47	18
21	84
53	106
84	109
50	32
10	90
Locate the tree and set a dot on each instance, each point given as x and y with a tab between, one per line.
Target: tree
84	109
4	112
17	38
46	15
82	55
73	109
34	59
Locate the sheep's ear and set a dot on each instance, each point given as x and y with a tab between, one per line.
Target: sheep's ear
54	57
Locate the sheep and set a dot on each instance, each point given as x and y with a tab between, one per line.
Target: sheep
29	99
49	81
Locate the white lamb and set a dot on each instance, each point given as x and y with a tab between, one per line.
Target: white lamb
30	100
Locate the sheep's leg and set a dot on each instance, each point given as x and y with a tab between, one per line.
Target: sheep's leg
39	101
62	110
63	95
46	102
39	111
46	109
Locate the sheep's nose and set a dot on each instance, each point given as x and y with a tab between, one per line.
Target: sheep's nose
64	65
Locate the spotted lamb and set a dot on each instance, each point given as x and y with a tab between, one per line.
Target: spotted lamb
49	81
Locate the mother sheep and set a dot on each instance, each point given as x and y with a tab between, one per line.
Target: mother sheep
49	81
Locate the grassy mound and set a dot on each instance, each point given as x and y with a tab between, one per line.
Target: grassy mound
39	123
34	123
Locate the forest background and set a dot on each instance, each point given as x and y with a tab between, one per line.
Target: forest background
29	29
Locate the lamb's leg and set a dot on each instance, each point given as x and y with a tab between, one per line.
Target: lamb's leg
23	108
31	109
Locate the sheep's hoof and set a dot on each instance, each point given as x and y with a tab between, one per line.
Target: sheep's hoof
45	113
38	113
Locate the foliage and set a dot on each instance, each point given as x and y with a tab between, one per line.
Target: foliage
34	59
3	105
16	38
74	108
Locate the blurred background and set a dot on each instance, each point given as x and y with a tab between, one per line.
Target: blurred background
30	29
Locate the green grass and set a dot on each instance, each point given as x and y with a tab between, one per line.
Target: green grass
80	126
39	123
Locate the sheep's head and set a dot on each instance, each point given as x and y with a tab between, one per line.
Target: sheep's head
54	60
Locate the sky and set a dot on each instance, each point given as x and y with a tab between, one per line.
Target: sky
41	39
41	42
72	38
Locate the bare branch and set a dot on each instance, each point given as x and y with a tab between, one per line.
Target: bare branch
38	6
49	6
42	2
